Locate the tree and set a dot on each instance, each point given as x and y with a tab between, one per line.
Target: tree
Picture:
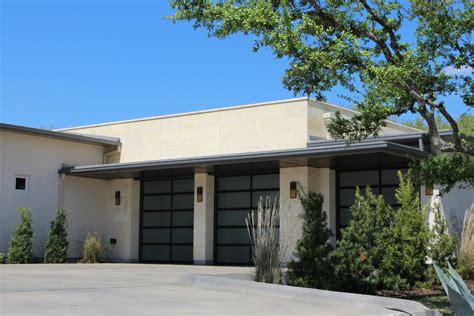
312	267
55	249
358	45
20	249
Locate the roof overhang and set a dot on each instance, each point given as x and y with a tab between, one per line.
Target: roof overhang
81	138
283	157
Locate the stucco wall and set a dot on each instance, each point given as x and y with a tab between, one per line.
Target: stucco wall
235	130
39	158
453	205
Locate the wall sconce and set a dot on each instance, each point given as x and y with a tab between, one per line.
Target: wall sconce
117	197
428	190
293	190
199	194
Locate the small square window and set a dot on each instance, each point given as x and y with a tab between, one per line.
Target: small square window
21	183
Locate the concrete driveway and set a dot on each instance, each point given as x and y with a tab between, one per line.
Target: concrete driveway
137	289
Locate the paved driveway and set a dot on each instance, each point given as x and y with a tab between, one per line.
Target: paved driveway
136	289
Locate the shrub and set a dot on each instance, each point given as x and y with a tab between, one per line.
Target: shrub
312	267
404	248
20	249
55	250
354	260
466	251
93	249
442	245
3	258
383	248
263	229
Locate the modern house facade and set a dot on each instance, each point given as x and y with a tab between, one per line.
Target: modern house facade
177	188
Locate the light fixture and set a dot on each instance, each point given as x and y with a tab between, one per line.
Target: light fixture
117	197
293	190
199	194
428	189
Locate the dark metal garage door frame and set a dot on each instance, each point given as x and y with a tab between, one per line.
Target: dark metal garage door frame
170	227
217	209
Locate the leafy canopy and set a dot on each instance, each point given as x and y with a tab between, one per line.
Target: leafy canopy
358	45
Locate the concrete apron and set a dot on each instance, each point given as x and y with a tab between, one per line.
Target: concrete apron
241	283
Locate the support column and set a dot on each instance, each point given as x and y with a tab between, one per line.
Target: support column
321	180
326	185
203	239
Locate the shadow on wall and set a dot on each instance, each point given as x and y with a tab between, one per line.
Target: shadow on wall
453	206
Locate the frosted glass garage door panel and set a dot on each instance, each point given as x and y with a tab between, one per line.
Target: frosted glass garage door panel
232	218
157	202
156	219
234	183
267	181
182	235
234	254
234	200
155	253
156	187
156	235
183	218
359	178
232	236
183	185
183	201
182	253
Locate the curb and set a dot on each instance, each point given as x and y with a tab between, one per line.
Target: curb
313	296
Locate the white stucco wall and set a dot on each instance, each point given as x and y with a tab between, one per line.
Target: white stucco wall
453	205
39	158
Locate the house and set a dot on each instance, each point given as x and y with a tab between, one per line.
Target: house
177	188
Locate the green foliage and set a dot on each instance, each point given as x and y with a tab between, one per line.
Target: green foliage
55	250
93	248
358	45
3	258
442	245
20	249
383	248
312	267
447	170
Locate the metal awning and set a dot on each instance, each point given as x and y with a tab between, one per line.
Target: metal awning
323	155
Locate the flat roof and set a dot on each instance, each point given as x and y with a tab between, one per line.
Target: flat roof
326	150
81	138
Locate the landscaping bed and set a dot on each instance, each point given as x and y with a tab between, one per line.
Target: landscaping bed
434	297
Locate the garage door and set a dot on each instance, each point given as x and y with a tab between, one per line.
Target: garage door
166	225
236	196
381	181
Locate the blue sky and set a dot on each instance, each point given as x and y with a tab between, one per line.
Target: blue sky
68	63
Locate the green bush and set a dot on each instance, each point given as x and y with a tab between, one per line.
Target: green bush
383	248
93	249
312	267
20	249
3	258
442	245
55	249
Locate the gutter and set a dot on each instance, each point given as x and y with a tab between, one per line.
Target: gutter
312	152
